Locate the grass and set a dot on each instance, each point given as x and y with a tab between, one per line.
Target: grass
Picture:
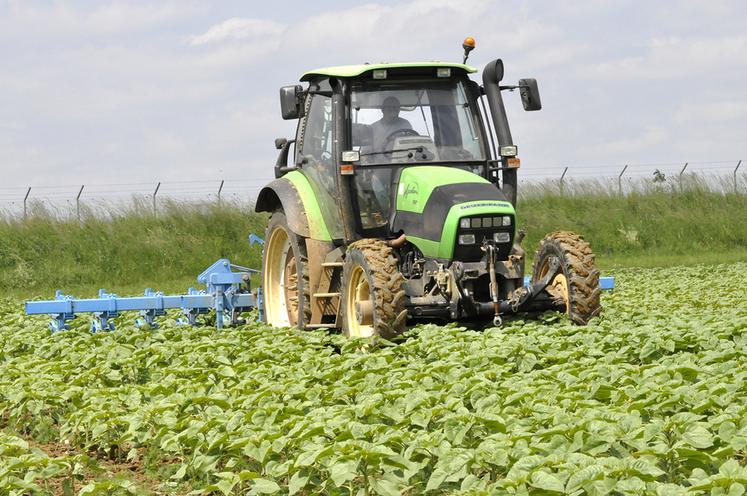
128	249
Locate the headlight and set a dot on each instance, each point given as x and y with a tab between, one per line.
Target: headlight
466	239
501	237
464	223
501	221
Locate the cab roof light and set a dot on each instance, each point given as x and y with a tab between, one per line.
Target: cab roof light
379	74
443	72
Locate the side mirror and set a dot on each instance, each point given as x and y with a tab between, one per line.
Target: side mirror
291	106
530	96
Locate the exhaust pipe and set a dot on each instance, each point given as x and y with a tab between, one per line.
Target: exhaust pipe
492	75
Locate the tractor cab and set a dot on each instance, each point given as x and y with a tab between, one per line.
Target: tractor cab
372	121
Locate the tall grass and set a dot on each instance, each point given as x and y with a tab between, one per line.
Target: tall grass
656	221
126	249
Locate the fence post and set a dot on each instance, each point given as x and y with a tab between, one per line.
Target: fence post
735	176
25	211
77	201
680	178
562	176
619	180
220	188
158	186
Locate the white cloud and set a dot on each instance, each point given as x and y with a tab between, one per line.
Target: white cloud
677	57
64	19
714	112
649	136
240	29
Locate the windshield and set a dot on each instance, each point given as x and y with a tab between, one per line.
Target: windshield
414	121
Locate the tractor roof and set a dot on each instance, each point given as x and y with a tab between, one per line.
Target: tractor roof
357	70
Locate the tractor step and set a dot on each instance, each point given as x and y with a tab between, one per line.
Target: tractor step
325	295
320	326
332	264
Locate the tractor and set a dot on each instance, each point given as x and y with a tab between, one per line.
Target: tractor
398	205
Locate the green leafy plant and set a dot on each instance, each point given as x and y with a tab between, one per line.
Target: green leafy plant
651	398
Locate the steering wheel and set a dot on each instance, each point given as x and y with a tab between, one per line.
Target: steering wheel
398	133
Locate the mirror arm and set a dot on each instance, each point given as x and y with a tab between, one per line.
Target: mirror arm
281	165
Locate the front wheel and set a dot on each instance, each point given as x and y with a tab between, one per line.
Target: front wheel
373	299
285	276
575	287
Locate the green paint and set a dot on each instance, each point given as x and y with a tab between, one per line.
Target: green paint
317	227
357	70
445	248
480	207
417	183
428	247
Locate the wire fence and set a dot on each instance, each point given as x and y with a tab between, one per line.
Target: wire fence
76	200
71	200
725	176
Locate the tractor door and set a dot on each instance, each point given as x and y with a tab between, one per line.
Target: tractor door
317	161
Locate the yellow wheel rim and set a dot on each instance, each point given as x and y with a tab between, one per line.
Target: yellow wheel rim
357	297
558	287
274	278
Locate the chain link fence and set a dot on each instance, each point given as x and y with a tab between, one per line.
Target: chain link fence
79	200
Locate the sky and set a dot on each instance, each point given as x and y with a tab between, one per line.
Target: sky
119	95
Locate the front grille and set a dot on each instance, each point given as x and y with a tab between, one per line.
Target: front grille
484	228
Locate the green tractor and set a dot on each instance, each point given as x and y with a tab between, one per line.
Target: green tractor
399	206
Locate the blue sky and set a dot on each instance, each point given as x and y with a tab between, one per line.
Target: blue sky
125	91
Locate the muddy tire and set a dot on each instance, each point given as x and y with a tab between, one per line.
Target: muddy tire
285	278
372	296
576	286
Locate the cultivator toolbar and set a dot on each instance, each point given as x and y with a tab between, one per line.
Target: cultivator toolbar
227	292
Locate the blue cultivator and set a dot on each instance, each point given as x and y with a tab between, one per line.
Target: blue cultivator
226	292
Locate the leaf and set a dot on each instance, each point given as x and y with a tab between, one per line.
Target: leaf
731	469
181	472
547	481
385	487
438	476
584	476
265	486
297	482
736	489
342	472
698	437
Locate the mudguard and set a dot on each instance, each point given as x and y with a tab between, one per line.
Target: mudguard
294	195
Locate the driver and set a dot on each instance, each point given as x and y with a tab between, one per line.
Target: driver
390	122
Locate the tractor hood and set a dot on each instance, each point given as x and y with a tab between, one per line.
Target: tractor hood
431	200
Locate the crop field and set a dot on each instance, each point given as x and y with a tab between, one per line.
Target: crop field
649	399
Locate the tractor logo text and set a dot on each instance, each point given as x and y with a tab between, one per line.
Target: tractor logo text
485	204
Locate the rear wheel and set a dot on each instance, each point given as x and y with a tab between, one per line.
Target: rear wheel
285	278
575	287
373	299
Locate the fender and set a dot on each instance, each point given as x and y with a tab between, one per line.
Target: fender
293	194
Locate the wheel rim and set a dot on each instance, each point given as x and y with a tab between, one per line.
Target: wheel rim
358	304
275	280
558	287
